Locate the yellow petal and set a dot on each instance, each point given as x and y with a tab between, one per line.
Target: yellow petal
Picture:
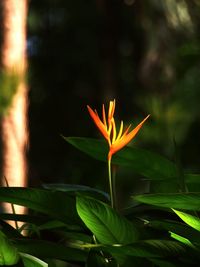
113	130
111	111
120	131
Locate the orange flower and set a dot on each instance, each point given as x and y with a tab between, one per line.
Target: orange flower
108	129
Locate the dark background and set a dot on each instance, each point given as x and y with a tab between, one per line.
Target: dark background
145	54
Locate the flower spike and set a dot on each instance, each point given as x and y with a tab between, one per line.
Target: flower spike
107	128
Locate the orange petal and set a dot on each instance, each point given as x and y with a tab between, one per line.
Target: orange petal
98	122
125	139
113	109
125	132
104	116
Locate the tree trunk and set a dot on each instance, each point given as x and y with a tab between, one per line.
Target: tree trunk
14	131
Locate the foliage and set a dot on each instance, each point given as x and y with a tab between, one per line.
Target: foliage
9	82
76	225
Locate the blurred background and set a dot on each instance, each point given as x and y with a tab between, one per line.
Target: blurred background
145	54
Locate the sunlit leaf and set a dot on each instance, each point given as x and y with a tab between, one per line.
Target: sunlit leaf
31	261
106	224
191	220
8	252
181	239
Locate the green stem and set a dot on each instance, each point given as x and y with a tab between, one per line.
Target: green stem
112	199
112	188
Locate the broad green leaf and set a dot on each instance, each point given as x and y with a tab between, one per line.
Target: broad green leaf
141	161
31	261
191	220
106	224
8	252
57	204
187	201
46	249
181	239
79	188
178	228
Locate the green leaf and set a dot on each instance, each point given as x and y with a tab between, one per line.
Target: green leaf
186	201
31	261
43	201
181	239
46	249
177	228
8	253
141	161
191	220
106	224
78	188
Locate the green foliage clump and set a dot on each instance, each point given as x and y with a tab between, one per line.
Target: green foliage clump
74	224
8	87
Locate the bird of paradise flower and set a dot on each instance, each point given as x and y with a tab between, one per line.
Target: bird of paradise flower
116	141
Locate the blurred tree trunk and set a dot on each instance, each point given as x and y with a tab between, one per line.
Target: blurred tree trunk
14	132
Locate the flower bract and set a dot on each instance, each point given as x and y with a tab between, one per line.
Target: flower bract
107	127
